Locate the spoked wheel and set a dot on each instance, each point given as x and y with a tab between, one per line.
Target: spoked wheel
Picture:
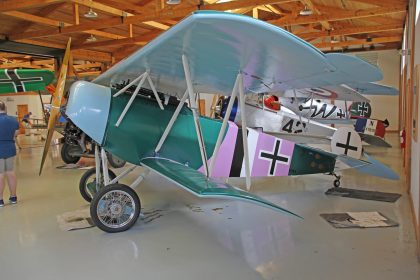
87	184
115	208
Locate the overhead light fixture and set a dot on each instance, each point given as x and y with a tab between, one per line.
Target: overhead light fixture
334	41
306	11
173	2
90	14
91	38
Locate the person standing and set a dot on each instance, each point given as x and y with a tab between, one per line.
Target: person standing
27	124
8	131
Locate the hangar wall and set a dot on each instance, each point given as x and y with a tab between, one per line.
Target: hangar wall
33	102
415	145
386	107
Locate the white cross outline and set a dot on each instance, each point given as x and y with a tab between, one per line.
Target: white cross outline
40	79
363	104
272	153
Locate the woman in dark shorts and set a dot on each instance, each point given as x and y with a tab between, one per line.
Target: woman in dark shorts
8	133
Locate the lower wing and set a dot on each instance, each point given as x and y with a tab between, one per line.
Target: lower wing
198	184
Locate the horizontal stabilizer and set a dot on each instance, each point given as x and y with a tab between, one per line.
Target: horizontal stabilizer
201	186
373	89
301	138
335	121
378	169
374	140
349	162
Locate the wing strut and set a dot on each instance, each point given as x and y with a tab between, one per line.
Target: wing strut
193	106
171	122
223	128
142	79
244	131
237	88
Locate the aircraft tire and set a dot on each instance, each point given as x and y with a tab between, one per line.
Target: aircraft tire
65	154
336	183
89	177
115	208
115	161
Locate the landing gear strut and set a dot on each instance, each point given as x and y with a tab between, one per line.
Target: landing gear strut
337	180
114	207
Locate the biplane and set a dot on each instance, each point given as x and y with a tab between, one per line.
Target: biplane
271	115
212	52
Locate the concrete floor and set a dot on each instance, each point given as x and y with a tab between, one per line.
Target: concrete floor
206	239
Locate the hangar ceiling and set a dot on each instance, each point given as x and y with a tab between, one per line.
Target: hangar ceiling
122	26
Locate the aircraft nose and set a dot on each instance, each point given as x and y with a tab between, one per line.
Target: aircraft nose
88	108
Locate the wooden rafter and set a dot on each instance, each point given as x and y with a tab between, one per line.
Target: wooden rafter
387	46
381	3
57	23
139	40
350	31
350	22
22	27
348	43
13	5
341	15
117	12
311	6
153	16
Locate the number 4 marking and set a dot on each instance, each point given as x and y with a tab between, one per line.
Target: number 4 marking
290	128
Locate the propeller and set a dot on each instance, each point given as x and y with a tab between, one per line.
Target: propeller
213	105
56	103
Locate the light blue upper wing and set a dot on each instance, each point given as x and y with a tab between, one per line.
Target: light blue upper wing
219	45
373	89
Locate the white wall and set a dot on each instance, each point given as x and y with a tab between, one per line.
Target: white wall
33	102
415	148
386	107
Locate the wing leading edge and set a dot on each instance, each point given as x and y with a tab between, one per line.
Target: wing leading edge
198	184
218	45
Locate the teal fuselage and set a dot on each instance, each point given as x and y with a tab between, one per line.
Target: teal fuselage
142	127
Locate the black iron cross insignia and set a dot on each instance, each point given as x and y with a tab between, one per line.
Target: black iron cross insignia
17	82
347	146
274	157
363	109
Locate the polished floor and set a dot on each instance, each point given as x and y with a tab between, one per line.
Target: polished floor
193	238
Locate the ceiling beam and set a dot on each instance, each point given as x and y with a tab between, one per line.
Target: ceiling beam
388	46
12	5
127	6
123	52
138	40
381	3
312	7
22	27
29	64
340	15
91	55
117	12
379	40
55	23
151	16
87	65
77	54
351	31
90	73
